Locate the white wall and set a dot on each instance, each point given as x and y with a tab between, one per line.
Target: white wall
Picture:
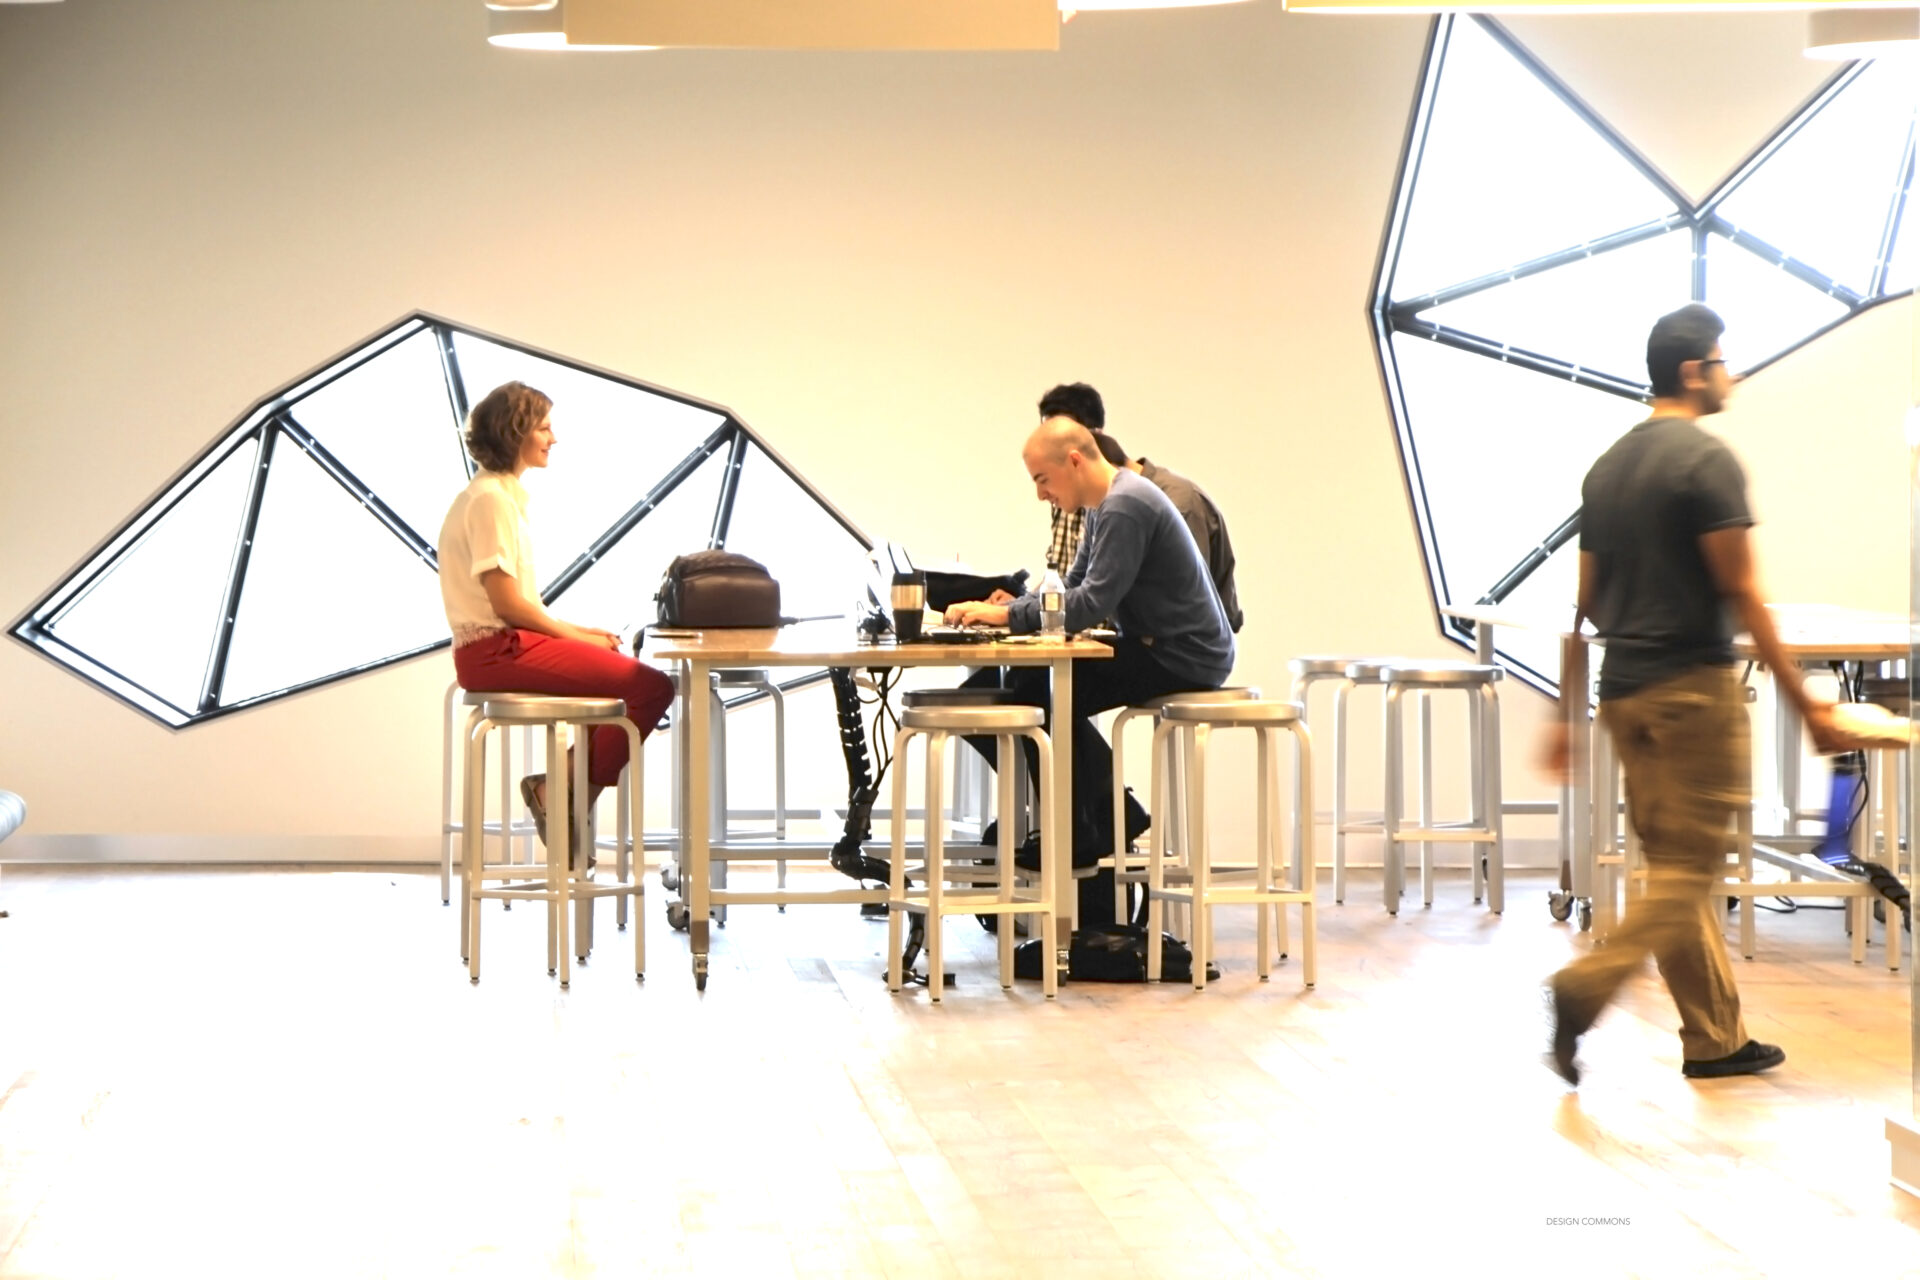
878	261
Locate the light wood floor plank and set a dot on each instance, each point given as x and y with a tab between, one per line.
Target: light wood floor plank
216	1073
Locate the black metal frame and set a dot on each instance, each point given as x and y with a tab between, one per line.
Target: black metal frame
274	416
1388	316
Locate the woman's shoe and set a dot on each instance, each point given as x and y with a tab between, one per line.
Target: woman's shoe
530	793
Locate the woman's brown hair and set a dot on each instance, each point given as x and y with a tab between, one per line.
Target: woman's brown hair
497	425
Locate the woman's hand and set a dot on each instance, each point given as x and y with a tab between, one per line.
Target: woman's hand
517	608
594	636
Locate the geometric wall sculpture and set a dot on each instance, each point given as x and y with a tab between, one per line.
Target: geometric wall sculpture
297	548
1529	249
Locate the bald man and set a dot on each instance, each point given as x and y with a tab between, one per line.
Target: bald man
1137	564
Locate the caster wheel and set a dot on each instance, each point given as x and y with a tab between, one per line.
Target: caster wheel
678	916
670	878
699	973
1560	905
1586	915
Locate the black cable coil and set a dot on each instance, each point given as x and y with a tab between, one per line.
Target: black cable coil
849	856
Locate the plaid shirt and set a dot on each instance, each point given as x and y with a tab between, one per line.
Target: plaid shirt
1063	543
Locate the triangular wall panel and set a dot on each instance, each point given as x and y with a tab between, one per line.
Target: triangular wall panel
1552	183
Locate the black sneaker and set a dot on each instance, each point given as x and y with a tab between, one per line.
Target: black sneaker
1745	1061
1567	1030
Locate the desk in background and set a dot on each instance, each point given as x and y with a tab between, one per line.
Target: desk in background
1811	634
833	644
1814	635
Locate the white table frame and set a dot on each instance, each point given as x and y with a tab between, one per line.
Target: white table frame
1811	634
834	645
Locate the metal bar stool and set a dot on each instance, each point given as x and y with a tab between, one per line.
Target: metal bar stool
1266	718
1129	868
722	813
757	678
1483	826
1356	672
450	823
973	805
562	885
938	725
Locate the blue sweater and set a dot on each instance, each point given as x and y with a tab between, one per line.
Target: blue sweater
1139	566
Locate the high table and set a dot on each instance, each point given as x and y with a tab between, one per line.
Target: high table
835	644
1812	634
1815	634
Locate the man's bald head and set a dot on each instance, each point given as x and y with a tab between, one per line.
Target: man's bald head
1065	463
1056	437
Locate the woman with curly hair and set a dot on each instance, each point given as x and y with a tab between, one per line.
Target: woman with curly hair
504	640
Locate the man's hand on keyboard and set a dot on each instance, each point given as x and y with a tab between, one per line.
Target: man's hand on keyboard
976	613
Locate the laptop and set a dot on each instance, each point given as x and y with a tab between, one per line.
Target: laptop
890	558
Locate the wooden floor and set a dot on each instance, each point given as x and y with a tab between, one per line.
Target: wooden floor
286	1074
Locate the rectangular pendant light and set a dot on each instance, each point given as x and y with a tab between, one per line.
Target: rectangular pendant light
817	24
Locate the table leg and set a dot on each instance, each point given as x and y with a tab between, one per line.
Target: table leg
1577	796
1060	821
695	860
1787	732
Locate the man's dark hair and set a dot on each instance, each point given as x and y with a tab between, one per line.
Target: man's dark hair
1111	449
1687	334
1075	400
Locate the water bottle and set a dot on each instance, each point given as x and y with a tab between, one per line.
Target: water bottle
1053	605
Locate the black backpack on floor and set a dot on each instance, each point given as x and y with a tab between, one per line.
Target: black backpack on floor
1112	953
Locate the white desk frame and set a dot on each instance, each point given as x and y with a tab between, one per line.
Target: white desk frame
1812	635
833	645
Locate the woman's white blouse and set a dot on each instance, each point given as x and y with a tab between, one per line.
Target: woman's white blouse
486	528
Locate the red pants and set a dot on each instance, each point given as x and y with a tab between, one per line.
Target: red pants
528	662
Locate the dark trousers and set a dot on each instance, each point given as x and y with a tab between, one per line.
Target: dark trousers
1131	675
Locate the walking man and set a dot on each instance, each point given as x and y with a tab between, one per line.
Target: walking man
1666	573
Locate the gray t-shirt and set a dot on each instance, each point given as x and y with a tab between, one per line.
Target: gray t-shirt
1645	504
1139	566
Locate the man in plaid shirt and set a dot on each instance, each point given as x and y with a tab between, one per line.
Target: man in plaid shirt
1082	403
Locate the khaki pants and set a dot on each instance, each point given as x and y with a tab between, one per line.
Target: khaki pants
1684	747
